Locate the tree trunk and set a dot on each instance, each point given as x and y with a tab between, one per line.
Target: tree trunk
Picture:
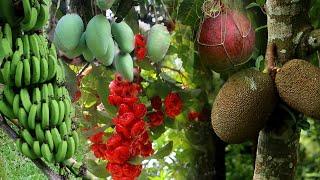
278	142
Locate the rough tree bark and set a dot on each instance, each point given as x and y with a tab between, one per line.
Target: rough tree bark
290	31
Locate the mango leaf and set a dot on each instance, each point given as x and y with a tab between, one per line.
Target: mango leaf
164	151
251	5
190	12
137	160
98	169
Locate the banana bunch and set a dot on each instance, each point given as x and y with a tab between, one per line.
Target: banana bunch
5	42
36	14
31	63
34	93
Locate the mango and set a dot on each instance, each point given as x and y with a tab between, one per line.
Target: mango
105	4
86	53
78	50
68	32
124	66
97	33
107	59
123	35
158	42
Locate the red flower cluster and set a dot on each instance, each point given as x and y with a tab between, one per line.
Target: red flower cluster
130	138
173	107
140	47
173	104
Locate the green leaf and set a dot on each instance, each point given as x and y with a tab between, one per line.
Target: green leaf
251	5
98	169
260	62
158	89
261	2
137	160
261	28
190	12
164	151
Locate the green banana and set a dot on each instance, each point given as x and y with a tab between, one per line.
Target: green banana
42	45
42	17
53	51
23	117
36	96
25	99
45	115
19	45
67	105
36	148
52	65
30	21
7	31
76	139
6	110
16	105
71	148
6	72
32	116
39	133
54	112
26	46
26	72
34	46
35	70
14	62
63	130
45	93
62	151
8	94
49	139
61	111
56	137
68	122
27	137
46	153
25	149
19	144
5	49
44	70
18	76
50	91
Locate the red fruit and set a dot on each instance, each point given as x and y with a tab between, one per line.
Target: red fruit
226	40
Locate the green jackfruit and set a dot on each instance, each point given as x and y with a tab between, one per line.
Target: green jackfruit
105	4
124	65
68	32
97	33
243	106
123	35
158	42
107	59
298	84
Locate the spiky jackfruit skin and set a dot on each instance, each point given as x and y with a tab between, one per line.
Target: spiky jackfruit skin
298	84
243	106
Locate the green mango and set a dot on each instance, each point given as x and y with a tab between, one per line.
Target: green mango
68	32
78	50
105	4
123	35
124	65
97	33
107	59
86	53
158	42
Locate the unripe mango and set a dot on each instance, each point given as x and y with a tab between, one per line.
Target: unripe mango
97	33
123	35
158	42
68	32
78	50
124	65
107	59
105	4
86	53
